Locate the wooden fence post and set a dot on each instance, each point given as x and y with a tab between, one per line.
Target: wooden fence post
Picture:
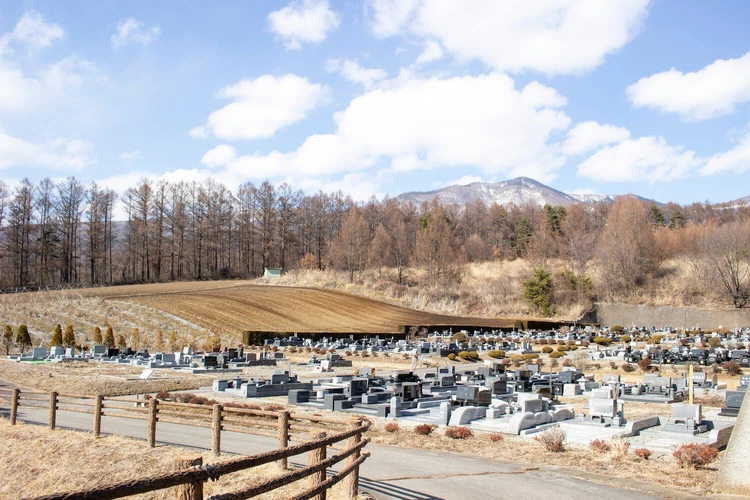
14	406
190	491
153	410
52	410
351	482
216	427
98	415
316	456
283	436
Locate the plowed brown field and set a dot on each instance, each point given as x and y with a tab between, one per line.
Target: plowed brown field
233	307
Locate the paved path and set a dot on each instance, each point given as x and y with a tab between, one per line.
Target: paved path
398	473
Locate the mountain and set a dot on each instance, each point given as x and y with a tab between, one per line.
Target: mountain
518	191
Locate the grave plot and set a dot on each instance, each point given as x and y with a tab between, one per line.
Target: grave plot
279	384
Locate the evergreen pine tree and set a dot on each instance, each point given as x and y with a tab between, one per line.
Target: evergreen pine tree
121	344
8	338
57	338
538	290
23	338
135	339
98	340
69	339
109	338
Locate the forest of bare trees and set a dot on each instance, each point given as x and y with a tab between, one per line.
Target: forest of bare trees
68	234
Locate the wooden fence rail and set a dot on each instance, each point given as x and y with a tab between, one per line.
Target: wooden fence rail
188	482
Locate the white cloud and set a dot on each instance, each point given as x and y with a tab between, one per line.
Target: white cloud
16	91
60	154
713	91
588	136
552	37
480	121
219	156
131	156
72	71
132	30
262	106
389	17
353	72
32	31
309	22
735	160
646	159
432	52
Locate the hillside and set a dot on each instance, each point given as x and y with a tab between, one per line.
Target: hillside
225	307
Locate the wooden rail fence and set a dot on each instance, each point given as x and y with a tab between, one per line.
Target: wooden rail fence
190	473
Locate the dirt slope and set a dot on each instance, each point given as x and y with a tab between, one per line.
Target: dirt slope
274	308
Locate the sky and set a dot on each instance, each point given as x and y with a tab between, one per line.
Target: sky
381	97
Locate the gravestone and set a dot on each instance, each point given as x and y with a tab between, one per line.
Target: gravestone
356	387
329	399
38	353
220	385
571	390
533	405
395	406
279	377
297	396
57	351
685	418
99	350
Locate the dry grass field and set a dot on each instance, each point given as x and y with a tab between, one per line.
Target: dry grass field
35	461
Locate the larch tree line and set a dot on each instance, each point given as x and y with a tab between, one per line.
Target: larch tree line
66	234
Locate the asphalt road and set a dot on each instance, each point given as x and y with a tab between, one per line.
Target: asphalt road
398	473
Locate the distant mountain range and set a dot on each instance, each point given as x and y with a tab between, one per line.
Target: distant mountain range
518	191
523	190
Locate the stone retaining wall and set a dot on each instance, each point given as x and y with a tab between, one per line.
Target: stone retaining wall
675	317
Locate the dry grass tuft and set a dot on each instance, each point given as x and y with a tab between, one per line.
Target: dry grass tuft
553	439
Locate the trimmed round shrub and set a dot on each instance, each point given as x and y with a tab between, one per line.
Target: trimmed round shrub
546	349
627	368
600	445
695	455
424	429
556	354
391	427
469	355
642	453
452	357
732	368
496	354
497	437
529	356
458	432
625	338
644	364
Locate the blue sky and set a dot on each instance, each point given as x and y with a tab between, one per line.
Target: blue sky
381	97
